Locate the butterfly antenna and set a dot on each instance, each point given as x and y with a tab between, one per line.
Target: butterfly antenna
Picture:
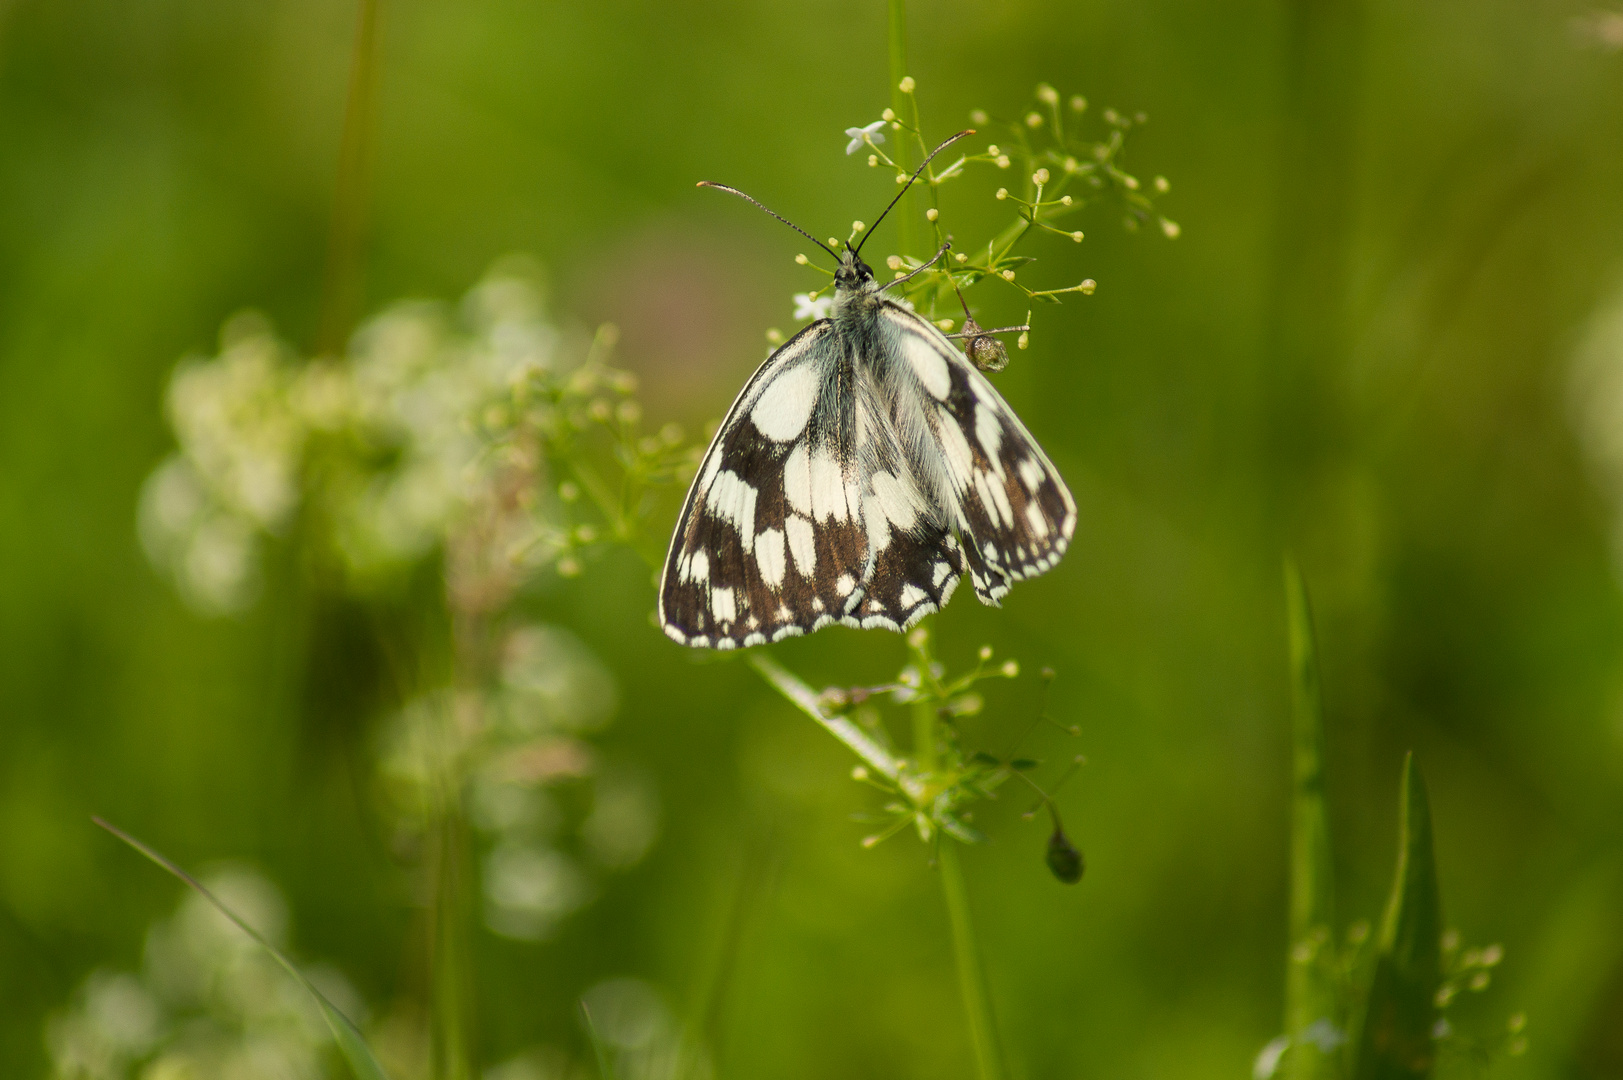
916	173
757	204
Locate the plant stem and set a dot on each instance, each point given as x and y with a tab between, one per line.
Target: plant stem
805	699
971	977
906	223
341	287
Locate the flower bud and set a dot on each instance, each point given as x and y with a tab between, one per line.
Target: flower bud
1002	193
1034	120
1040	177
888	114
1047	94
978	116
1087	286
906	85
894	262
1008	275
1063	858
1078	103
932	214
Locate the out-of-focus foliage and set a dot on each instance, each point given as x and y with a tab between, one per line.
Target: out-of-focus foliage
1381	341
207	1001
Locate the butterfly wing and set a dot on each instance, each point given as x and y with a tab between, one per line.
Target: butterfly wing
1003	497
862	470
771	543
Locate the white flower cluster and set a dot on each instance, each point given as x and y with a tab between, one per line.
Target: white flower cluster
207	1001
419	410
509	745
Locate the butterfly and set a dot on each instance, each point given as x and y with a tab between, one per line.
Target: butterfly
864	469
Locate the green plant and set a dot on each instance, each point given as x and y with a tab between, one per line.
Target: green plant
1363	1010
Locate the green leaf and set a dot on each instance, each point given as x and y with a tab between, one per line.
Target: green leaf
350	1042
1396	1041
1310	992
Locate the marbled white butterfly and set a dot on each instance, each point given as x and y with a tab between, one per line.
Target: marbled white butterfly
863	469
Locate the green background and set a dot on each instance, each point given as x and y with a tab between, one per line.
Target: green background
1398	221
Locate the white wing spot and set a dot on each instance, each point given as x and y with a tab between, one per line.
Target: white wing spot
955	449
797	479
827	488
733	500
802	545
897	499
989	432
698	567
928	364
1032	473
817	603
873	516
940	574
912	596
1039	524
721	605
769	557
783	408
844	584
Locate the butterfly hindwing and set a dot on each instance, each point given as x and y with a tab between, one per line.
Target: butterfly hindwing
1005	499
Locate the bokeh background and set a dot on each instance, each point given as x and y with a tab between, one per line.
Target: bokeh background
1387	340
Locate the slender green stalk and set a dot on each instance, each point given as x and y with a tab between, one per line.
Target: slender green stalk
357	1055
451	969
803	697
1310	993
341	285
907	226
971	976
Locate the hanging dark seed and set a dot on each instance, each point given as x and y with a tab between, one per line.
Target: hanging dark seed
986	351
1064	860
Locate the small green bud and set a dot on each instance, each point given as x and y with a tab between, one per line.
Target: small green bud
1064	860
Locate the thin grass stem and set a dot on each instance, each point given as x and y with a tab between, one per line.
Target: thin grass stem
971	975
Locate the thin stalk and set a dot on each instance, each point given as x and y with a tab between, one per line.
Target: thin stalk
805	698
450	967
971	976
907	226
341	284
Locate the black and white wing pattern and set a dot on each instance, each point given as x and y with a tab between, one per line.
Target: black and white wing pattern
1003	497
863	469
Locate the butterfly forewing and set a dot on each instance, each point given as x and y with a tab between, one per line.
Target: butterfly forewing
862	470
1007	500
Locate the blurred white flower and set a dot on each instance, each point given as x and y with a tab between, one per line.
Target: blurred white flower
808	307
208	1001
624	820
528	888
860	135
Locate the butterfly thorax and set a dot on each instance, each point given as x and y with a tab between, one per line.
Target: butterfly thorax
855	291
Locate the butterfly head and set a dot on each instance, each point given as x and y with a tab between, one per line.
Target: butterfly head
853	275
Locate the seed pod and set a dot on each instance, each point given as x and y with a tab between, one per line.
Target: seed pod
1064	860
984	351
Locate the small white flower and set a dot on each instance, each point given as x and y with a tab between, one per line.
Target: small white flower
1268	1059
860	135
808	308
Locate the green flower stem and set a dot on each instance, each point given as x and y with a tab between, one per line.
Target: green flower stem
906	225
341	287
971	976
805	699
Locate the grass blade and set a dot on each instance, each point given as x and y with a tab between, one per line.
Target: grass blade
1310	992
605	1071
348	1037
1396	1040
